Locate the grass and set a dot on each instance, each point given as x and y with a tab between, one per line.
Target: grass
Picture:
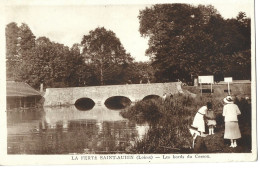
169	122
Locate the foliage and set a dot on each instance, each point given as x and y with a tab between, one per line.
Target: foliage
41	61
12	57
168	124
142	111
170	120
19	42
187	41
141	72
104	52
102	61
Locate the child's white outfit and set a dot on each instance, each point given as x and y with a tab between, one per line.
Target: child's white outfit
198	121
211	122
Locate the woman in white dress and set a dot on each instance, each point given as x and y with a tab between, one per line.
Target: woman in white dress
198	121
230	112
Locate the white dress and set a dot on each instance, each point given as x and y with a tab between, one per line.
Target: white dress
198	121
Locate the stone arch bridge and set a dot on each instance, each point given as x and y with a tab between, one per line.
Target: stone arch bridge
99	94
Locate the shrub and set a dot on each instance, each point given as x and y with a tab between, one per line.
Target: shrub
169	121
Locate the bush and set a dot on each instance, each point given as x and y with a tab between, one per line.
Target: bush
169	122
142	111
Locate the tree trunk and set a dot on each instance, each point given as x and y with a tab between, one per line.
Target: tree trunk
101	73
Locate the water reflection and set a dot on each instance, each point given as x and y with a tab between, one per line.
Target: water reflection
67	130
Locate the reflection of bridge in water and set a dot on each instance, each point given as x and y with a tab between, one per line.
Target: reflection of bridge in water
99	94
98	113
67	130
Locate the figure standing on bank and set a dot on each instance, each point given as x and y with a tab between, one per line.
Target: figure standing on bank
230	112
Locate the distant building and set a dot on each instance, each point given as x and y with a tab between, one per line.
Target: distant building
21	95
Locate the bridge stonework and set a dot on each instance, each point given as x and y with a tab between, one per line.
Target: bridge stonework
99	94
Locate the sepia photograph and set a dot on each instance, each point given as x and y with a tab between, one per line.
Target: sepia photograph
160	82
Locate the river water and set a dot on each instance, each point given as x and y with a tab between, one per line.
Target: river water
67	130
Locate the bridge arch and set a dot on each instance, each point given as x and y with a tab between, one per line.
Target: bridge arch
117	102
152	96
84	103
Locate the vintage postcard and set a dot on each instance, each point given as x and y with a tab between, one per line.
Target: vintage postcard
110	82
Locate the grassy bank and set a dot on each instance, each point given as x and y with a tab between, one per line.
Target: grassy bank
169	122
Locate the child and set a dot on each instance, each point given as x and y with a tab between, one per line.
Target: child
198	121
230	112
210	117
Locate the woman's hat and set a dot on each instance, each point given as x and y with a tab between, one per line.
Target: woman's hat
228	99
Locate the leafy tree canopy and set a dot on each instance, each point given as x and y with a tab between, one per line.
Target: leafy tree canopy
105	53
186	41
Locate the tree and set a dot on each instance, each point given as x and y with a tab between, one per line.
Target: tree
185	40
26	40
36	66
174	31
19	42
142	72
12	58
53	63
46	62
80	73
104	52
43	61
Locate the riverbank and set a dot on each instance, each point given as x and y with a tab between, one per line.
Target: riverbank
170	120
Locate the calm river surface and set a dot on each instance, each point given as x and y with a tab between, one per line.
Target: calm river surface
66	130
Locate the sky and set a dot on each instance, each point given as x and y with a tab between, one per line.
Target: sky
67	24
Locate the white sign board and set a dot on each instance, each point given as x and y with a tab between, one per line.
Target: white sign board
228	79
206	79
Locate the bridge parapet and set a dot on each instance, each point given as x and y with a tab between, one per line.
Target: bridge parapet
99	94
